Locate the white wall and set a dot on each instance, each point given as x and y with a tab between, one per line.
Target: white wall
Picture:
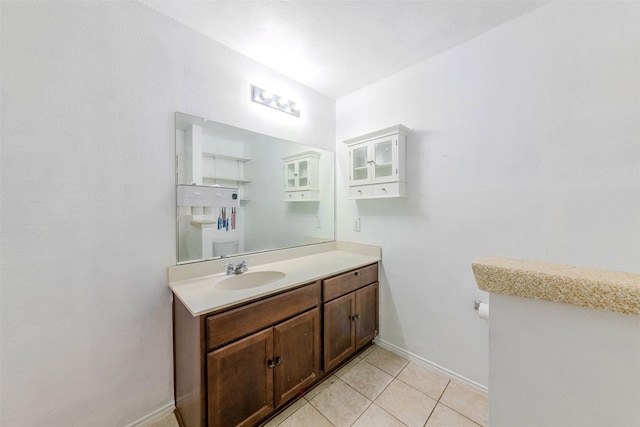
582	365
89	91
524	144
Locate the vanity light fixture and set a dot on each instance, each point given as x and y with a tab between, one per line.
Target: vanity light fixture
264	97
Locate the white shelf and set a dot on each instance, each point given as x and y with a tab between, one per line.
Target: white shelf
225	157
225	178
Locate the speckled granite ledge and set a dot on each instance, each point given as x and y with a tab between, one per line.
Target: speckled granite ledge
588	287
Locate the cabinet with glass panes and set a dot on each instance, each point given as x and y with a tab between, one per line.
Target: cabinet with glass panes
377	164
301	177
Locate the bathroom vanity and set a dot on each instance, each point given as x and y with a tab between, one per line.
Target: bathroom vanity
247	346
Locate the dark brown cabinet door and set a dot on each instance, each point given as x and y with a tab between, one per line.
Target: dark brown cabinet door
339	330
366	315
240	383
296	352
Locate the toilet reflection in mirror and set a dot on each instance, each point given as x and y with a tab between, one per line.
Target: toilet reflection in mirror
212	155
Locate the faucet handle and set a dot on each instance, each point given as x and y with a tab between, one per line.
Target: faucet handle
230	267
242	266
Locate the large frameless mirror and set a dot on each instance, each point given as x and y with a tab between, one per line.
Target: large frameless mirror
241	192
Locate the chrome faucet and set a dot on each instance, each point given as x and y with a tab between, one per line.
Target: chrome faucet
236	269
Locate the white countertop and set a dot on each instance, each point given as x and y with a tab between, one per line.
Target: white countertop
200	296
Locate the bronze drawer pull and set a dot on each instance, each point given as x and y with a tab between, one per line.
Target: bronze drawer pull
355	317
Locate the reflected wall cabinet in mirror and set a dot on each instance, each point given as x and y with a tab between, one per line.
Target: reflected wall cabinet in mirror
249	165
301	177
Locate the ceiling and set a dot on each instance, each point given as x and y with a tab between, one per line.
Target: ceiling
339	46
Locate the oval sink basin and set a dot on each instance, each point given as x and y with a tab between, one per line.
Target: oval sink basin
252	279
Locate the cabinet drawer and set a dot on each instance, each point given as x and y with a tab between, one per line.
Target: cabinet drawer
359	191
233	324
301	196
379	190
347	282
388	189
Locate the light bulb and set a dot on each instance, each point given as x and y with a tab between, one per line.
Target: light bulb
282	102
265	95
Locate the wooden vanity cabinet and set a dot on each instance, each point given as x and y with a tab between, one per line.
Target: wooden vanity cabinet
240	385
238	366
249	361
366	324
350	313
250	378
297	350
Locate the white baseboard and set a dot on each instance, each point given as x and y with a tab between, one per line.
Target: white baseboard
156	415
427	364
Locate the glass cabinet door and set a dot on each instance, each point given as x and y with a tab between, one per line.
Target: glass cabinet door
291	175
303	173
383	159
359	164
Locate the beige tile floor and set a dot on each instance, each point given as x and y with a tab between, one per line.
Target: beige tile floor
380	388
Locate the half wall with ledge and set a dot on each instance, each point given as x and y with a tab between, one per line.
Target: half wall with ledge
564	344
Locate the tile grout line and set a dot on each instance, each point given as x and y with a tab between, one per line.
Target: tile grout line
394	377
438	400
323	416
372	402
424	394
362	357
460	413
365	410
430	413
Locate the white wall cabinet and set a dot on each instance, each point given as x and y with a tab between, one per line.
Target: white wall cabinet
302	177
377	164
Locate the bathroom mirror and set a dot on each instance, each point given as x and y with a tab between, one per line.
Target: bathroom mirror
284	191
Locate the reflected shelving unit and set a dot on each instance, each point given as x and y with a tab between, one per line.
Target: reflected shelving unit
225	170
